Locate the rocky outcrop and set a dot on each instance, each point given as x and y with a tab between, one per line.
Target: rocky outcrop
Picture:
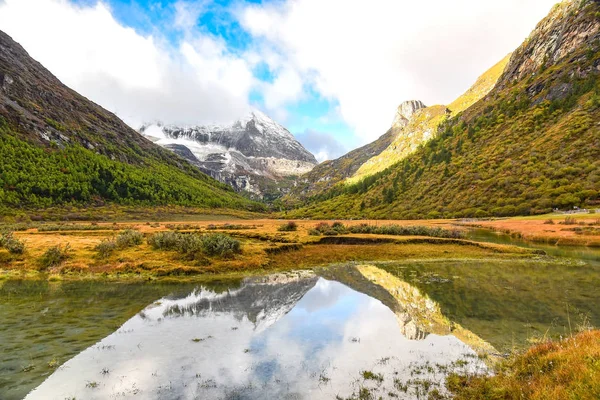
414	127
406	111
564	30
249	154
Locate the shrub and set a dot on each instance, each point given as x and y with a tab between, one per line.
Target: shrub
164	240
399	230
129	238
569	221
339	227
290	226
55	256
218	244
549	221
10	243
314	232
105	248
323	228
191	245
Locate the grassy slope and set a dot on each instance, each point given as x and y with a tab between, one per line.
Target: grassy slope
330	173
529	146
426	122
34	176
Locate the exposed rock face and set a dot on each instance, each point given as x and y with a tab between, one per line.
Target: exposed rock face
564	30
414	127
405	112
248	154
47	112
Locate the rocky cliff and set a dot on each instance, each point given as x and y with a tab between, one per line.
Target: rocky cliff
405	112
250	154
567	28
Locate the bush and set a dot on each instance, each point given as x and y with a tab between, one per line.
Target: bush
129	238
569	221
105	248
191	245
10	243
290	226
125	239
218	244
399	230
314	232
549	221
323	228
55	256
164	240
338	227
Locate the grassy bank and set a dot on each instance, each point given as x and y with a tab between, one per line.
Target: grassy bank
566	369
135	250
563	230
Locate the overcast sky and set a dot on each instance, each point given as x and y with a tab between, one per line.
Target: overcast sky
332	71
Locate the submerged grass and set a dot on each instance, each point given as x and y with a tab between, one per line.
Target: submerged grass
564	369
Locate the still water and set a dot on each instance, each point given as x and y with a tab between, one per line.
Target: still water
285	336
391	327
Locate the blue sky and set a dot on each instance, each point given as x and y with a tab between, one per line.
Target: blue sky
331	71
306	118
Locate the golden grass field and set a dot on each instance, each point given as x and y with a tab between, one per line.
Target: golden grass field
264	247
583	231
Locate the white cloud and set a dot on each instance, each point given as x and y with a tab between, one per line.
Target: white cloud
286	88
372	55
139	77
365	56
323	145
187	13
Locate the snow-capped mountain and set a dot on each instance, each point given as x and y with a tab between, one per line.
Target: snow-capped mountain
249	154
260	300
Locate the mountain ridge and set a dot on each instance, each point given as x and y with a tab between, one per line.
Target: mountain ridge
57	147
413	124
253	154
529	145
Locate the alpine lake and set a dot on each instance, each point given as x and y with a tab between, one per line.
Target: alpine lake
393	329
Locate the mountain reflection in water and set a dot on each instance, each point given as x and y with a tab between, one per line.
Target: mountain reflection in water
283	336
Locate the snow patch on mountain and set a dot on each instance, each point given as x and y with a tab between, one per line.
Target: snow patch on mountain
253	146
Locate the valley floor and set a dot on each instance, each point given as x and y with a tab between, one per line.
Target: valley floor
264	248
565	230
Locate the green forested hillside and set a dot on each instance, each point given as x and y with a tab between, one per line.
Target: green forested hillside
531	145
32	176
57	147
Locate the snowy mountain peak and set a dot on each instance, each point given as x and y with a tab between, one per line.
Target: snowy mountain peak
253	146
